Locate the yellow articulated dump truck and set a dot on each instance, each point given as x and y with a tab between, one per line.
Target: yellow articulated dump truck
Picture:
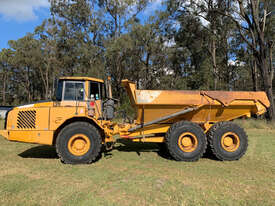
79	123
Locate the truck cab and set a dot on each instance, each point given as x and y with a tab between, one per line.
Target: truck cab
82	91
79	88
77	99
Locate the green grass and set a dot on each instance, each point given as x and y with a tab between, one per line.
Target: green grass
255	124
138	175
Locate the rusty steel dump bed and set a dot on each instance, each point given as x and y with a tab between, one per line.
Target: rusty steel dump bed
209	106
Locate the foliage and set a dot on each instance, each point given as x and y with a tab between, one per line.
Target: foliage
186	45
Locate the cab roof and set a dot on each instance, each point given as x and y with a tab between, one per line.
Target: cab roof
82	78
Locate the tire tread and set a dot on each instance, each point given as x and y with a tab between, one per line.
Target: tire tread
96	153
170	146
211	138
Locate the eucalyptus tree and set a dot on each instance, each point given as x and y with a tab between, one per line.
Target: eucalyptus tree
93	34
80	35
255	22
216	30
5	74
24	62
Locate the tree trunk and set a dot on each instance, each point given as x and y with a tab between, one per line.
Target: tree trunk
268	90
28	85
271	77
47	82
213	53
147	78
267	77
4	90
254	75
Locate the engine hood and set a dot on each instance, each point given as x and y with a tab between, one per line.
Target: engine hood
36	105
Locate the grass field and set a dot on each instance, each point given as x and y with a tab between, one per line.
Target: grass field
138	175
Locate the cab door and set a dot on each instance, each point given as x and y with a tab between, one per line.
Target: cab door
96	95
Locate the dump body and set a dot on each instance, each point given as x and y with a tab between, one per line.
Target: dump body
209	106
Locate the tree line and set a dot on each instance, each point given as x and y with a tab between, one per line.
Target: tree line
190	44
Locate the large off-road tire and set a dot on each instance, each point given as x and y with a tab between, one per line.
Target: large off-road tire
185	141
78	143
227	141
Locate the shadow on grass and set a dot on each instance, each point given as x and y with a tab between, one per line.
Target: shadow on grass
209	155
139	147
159	148
49	152
43	152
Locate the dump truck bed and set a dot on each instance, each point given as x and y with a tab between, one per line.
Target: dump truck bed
212	106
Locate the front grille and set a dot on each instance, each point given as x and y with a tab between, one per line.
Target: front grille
26	119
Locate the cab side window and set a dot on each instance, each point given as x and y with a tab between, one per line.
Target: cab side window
74	91
95	92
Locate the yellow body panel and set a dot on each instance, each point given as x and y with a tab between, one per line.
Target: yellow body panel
49	116
42	120
153	129
71	104
149	139
59	115
40	137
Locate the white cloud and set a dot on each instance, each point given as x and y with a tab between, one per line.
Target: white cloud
21	10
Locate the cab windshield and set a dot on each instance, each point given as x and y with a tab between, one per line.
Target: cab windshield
70	90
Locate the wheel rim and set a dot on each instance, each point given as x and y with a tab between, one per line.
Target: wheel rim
79	144
188	142
230	142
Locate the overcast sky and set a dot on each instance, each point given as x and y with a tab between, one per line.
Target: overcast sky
17	17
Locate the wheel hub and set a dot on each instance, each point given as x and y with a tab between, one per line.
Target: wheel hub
79	144
230	142
187	142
